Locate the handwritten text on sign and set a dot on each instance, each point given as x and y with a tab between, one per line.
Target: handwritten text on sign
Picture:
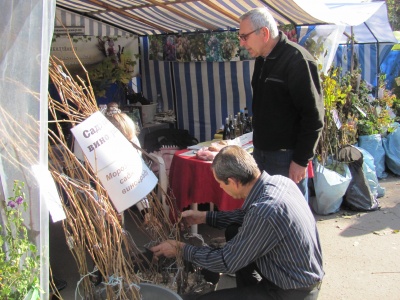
117	163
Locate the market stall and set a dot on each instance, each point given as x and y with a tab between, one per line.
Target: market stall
200	101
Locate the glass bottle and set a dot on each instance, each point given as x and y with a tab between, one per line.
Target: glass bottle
244	121
239	124
235	125
227	133
250	124
160	104
232	128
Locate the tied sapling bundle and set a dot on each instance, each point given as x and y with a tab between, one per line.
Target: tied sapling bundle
93	226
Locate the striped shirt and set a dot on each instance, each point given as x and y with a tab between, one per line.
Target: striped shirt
278	232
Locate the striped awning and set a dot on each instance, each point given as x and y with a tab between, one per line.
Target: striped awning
148	17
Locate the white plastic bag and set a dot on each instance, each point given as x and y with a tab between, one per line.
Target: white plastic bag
330	187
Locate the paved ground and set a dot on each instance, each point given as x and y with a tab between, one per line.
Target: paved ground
361	252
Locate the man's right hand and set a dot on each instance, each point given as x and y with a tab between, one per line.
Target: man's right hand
193	217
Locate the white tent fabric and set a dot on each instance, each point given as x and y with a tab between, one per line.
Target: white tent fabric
24	58
368	21
354	14
325	39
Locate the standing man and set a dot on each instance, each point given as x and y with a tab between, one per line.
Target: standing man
288	108
274	234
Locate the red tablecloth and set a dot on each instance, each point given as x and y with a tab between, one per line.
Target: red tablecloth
192	181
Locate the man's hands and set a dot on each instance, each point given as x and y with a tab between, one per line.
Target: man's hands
169	248
193	217
296	172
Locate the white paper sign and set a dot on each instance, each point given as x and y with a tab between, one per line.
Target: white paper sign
49	193
118	165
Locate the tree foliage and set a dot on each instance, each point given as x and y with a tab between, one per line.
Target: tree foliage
393	7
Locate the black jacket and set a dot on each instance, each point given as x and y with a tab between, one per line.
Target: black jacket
288	107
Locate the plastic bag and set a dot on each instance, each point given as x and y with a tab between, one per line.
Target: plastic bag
373	144
358	196
370	173
391	144
330	186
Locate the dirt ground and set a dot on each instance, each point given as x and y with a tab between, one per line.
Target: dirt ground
362	250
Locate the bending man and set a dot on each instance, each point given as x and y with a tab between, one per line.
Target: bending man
274	234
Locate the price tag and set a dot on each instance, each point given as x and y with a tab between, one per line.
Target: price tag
361	111
336	119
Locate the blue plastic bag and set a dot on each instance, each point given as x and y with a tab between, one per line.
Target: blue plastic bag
391	145
373	144
330	187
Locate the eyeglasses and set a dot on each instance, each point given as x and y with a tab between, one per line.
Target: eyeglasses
244	37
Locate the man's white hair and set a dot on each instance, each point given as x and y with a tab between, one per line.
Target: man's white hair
261	17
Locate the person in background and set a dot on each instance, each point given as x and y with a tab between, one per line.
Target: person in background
124	124
129	129
272	241
112	108
287	105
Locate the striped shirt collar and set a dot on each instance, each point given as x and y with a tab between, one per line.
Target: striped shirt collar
257	188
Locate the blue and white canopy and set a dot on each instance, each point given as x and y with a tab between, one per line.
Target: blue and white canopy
147	17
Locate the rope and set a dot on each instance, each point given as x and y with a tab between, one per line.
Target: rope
195	235
79	282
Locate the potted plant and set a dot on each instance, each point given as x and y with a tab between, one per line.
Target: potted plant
376	123
336	98
19	259
331	177
115	69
